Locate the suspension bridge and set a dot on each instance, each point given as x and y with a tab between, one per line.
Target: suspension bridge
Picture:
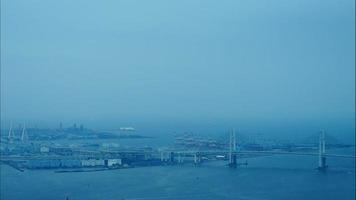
232	154
173	156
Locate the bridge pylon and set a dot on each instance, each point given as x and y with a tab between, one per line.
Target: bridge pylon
24	135
322	159
180	158
11	134
161	156
171	157
197	159
232	150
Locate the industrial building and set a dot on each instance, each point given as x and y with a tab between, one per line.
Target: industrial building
72	163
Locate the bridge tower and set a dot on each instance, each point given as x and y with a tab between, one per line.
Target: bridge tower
180	158
11	135
232	150
197	158
171	157
24	135
322	159
162	156
165	156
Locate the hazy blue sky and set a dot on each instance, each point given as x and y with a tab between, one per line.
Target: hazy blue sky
177	60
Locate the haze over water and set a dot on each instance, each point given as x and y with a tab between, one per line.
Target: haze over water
114	63
277	69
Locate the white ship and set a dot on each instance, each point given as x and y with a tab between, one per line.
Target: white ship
127	129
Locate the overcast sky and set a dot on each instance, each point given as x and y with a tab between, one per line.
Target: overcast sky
179	60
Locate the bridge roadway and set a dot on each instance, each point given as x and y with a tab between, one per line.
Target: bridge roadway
263	152
84	154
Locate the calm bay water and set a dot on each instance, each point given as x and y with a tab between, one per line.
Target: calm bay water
270	177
